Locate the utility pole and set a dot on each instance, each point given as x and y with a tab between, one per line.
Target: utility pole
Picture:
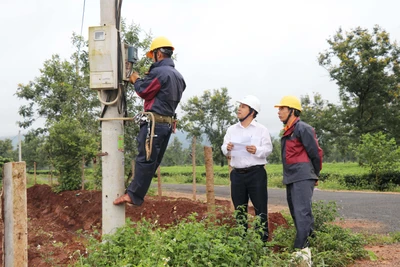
112	132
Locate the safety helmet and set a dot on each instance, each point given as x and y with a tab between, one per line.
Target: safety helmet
291	102
158	43
252	102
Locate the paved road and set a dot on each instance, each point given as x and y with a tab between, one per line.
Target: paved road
382	208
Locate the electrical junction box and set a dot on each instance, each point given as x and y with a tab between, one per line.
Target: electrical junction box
130	57
103	57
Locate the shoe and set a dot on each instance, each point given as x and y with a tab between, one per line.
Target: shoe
123	199
302	257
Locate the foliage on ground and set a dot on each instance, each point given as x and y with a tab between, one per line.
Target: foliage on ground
203	243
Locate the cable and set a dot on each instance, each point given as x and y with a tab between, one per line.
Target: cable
122	106
83	15
79	47
109	103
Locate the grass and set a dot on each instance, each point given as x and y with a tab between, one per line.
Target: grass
333	173
183	174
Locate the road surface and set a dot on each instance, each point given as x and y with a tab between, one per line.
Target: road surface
382	208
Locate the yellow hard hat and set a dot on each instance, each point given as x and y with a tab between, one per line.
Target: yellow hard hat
158	43
291	102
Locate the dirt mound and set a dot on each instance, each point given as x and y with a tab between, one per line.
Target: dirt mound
54	220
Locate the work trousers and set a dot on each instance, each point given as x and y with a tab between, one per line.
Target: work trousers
251	185
145	169
299	198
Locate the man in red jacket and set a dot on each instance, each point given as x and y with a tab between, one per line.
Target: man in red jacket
302	163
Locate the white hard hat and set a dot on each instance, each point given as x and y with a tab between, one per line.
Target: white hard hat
252	102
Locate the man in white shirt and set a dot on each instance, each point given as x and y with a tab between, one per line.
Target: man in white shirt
248	143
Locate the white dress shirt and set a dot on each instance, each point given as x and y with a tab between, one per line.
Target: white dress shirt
260	138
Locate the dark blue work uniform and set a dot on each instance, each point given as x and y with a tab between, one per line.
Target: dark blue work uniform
302	163
162	91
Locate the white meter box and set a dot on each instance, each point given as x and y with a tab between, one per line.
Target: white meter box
103	57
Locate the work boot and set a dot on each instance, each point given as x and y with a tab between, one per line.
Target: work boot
301	258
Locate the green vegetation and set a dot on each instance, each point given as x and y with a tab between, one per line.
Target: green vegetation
195	242
334	176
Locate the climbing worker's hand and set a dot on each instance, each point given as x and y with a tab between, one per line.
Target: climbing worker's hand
251	149
229	146
134	76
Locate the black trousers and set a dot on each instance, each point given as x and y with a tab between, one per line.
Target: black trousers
299	198
145	169
251	184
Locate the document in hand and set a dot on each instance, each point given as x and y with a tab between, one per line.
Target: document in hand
239	146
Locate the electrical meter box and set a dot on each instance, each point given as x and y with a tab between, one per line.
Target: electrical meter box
130	57
103	57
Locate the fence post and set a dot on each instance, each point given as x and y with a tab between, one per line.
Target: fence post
194	166
34	170
210	181
83	173
15	215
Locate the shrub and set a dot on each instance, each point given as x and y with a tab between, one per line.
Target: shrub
202	243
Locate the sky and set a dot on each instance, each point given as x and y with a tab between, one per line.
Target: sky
265	48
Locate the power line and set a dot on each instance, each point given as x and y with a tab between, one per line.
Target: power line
83	15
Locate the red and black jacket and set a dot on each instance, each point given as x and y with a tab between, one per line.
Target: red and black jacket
301	154
162	88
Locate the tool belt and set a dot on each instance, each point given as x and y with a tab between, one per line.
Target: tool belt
163	119
248	169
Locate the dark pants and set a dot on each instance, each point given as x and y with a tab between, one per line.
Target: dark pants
299	198
145	170
251	185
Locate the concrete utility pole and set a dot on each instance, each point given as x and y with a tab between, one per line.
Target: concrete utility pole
15	215
111	134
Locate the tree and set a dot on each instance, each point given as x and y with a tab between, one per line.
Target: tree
131	35
174	155
210	114
366	68
62	96
6	149
6	154
66	145
33	149
378	153
275	156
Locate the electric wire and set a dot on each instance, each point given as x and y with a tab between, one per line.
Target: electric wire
83	19
83	15
122	107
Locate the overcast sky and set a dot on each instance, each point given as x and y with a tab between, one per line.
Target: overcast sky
260	47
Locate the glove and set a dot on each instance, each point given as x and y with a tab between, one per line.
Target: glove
134	76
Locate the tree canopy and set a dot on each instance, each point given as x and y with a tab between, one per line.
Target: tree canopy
61	95
209	114
365	66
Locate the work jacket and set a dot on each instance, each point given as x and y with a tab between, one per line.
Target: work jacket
301	154
162	88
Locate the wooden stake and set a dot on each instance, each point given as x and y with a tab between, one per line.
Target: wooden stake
210	182
194	166
34	170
